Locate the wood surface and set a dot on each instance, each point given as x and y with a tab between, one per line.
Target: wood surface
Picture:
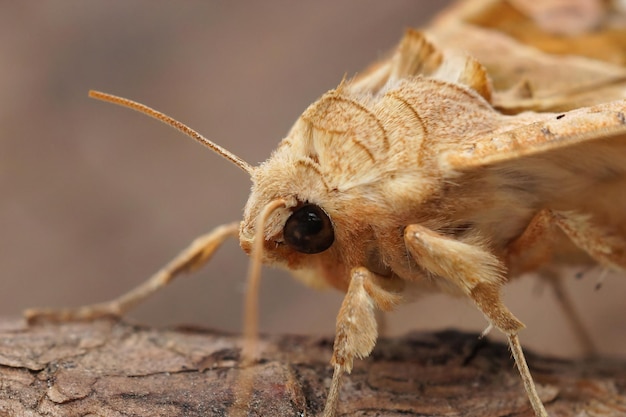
109	368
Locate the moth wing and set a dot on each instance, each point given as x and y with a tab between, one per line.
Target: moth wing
536	133
541	56
414	55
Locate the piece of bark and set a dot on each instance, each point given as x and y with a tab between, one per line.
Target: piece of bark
107	368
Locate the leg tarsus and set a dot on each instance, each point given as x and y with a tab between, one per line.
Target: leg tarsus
527	379
330	409
89	312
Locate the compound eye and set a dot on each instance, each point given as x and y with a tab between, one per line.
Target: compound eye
309	230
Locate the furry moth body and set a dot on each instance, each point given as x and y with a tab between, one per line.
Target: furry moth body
407	180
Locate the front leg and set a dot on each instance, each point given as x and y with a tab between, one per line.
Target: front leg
192	258
356	328
478	274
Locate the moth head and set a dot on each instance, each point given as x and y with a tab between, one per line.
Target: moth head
299	223
283	220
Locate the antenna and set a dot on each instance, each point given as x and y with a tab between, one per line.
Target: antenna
141	108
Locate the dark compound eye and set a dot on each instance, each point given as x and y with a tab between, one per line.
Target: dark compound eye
309	230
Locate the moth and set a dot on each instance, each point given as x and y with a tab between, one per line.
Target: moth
407	179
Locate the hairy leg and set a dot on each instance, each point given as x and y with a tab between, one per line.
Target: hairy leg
478	274
193	257
356	333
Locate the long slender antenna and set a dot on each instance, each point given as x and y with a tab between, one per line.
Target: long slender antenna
124	102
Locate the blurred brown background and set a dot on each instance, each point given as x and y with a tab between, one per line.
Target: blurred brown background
95	198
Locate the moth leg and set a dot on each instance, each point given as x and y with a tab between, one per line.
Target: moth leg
478	274
607	249
534	247
531	251
190	259
355	335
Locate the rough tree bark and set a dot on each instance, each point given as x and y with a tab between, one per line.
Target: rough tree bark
108	368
